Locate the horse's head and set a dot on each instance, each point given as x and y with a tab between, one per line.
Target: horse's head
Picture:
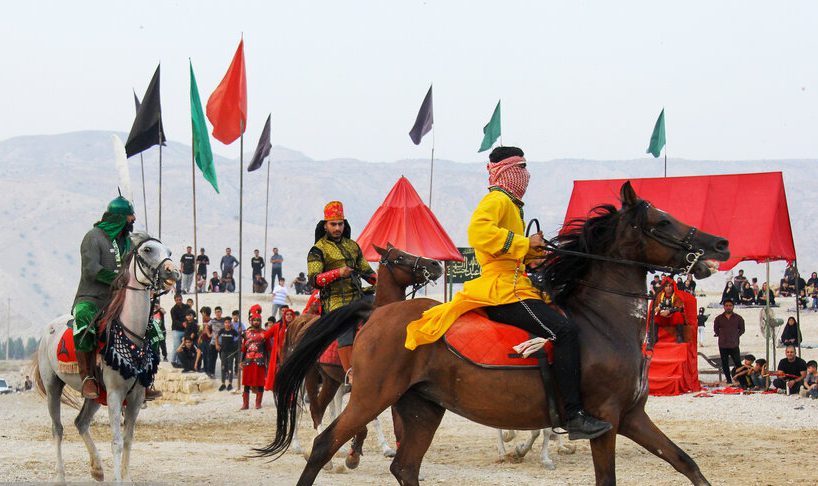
151	264
408	269
666	241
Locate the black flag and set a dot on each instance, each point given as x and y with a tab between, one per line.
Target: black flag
263	148
136	101
147	126
425	119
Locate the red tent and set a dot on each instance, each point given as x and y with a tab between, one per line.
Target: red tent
750	210
403	220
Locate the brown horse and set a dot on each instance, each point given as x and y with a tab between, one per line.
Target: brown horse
601	284
397	271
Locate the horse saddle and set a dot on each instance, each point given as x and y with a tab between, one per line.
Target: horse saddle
480	341
67	360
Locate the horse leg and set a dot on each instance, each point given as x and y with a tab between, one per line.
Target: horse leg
603	452
563	447
362	409
83	424
54	387
638	427
385	449
501	446
115	417
135	400
545	459
421	419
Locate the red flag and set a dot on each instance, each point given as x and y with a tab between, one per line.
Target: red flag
227	106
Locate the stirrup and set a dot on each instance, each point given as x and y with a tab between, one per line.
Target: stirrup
346	386
96	386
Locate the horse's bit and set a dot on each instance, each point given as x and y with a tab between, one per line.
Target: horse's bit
424	273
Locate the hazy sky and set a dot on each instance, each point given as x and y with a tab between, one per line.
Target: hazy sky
738	79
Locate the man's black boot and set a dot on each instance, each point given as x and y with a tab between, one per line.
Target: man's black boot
583	426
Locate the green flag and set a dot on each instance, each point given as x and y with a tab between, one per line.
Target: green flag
201	141
657	140
491	132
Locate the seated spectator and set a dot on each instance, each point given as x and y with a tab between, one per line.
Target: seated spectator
741	374
791	335
759	374
669	309
747	295
814	296
215	284
810	386
802	298
201	283
761	299
680	284
791	372
784	290
813	280
187	356
228	284
259	284
754	285
655	286
730	292
690	284
300	284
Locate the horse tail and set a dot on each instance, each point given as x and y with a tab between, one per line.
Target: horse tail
295	367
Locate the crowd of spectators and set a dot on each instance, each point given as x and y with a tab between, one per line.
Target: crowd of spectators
194	270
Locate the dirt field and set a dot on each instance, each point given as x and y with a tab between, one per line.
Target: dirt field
735	440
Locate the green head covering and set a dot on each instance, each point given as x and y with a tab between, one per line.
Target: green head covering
120	205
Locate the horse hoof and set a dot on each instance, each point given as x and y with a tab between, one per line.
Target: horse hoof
389	452
566	449
520	451
352	461
508	435
549	465
328	466
513	458
98	475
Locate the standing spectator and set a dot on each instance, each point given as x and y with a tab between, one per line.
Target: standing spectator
191	325
205	337
259	284
702	318
791	335
730	292
215	284
728	327
300	284
241	329
761	298
158	318
216	325
187	262
227	344
276	262
680	284
177	318
655	286
809	388
202	261
281	299
257	263
791	372
738	280
814	296
228	263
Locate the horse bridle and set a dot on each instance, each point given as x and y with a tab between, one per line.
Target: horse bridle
427	277
144	268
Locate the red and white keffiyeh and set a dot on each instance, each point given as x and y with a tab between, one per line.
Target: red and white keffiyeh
509	174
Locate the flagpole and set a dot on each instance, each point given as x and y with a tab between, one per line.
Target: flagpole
241	209
665	159
144	198
432	171
266	220
160	181
195	242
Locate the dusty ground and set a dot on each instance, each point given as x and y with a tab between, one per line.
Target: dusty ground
734	439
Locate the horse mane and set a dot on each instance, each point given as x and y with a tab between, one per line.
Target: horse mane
596	234
119	286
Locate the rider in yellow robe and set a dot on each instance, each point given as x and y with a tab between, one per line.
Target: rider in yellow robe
505	292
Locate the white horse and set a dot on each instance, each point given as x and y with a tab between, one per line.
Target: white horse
147	268
521	449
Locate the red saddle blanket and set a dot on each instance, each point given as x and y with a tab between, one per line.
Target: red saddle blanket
67	361
330	355
483	342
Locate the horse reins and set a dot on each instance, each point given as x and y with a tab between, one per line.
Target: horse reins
415	267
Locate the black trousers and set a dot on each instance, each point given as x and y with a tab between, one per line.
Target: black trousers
566	346
729	353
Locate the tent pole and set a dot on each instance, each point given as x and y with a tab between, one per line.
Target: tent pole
445	290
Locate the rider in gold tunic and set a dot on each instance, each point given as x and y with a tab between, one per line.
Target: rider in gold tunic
496	231
336	266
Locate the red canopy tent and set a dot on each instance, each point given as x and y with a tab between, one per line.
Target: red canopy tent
403	220
714	204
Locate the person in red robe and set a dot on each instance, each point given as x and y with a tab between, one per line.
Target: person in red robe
669	309
278	332
254	347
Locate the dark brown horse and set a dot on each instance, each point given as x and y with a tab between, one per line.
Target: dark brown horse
605	295
397	271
